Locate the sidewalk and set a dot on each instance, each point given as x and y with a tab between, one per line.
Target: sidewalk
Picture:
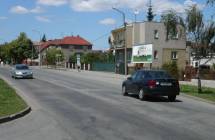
204	83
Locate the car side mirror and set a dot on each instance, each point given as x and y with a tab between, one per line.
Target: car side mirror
129	78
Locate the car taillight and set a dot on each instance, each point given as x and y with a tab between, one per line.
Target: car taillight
151	83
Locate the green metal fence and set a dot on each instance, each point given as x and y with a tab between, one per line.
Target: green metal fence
109	67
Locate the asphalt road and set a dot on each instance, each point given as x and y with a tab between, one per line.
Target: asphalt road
89	106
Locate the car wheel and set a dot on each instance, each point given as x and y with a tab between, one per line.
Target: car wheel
172	98
124	91
141	95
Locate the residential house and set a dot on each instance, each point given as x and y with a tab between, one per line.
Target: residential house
165	49
69	45
205	56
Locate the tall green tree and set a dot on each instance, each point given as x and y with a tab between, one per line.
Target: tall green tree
195	26
150	15
202	34
43	38
22	48
171	21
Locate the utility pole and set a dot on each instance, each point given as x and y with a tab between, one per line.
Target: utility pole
125	44
32	54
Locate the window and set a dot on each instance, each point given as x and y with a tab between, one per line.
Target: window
156	34
155	54
196	64
175	36
134	75
140	76
174	55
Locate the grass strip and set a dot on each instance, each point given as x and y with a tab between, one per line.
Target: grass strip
10	102
207	93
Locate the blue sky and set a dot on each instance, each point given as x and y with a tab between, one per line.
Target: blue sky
91	19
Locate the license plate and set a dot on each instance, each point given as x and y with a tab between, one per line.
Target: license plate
166	84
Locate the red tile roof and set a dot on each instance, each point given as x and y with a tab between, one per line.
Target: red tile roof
69	40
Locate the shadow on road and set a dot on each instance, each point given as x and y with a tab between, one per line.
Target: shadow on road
154	99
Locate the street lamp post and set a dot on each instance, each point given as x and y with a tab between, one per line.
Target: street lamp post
125	46
39	55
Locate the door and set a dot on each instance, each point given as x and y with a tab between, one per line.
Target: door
137	82
129	83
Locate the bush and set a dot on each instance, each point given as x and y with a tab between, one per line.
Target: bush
172	69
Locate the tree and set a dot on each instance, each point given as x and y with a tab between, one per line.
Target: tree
202	34
5	53
54	55
195	26
171	20
21	48
211	2
18	50
150	15
44	38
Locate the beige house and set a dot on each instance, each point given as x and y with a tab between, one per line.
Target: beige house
141	33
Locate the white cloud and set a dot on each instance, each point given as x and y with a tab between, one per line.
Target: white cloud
42	19
52	2
19	10
164	5
22	10
189	3
37	9
107	21
3	18
159	6
100	5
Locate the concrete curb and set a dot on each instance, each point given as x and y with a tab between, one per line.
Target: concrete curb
15	116
197	98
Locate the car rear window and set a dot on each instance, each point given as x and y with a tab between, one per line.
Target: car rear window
22	67
157	74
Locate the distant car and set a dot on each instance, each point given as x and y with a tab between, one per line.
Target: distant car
21	71
151	83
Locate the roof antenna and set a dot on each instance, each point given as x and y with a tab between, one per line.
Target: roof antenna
136	12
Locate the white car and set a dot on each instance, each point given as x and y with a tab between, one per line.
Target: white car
21	71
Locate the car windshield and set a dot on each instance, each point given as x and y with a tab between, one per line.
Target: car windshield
157	74
22	67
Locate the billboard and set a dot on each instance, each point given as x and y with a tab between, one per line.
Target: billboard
142	53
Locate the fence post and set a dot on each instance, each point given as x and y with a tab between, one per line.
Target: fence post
65	65
88	67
